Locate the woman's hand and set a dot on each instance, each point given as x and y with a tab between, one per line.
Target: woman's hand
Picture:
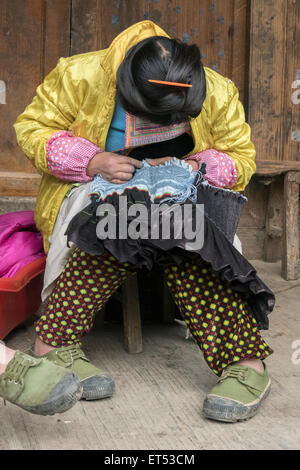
194	164
113	167
159	161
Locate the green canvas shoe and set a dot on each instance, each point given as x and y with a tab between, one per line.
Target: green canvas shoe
39	386
237	395
96	383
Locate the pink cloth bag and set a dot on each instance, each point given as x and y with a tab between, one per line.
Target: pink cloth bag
20	242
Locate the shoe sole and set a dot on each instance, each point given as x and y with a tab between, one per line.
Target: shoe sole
95	395
230	411
92	391
63	397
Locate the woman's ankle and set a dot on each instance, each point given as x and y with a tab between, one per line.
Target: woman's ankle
41	348
6	355
256	364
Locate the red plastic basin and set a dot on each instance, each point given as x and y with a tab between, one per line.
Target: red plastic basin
20	296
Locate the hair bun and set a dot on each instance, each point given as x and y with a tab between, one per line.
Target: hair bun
168	60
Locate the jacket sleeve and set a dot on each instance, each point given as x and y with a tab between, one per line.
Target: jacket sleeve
220	169
232	135
53	109
68	156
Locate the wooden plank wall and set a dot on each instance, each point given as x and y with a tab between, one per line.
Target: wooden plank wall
217	27
274	108
33	35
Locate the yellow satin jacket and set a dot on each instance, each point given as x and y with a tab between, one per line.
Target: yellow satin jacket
79	95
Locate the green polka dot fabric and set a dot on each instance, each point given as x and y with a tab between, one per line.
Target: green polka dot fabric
82	289
219	319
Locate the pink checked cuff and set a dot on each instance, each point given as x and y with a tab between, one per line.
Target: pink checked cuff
220	168
68	156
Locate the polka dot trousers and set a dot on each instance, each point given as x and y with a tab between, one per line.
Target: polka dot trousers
219	319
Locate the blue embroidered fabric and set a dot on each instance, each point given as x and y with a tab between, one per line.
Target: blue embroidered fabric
171	181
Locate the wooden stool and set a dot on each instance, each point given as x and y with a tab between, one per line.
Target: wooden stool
290	259
282	218
133	342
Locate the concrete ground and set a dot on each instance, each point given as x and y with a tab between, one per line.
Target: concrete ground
159	393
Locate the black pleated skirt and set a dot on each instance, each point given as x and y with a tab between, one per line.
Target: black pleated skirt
220	216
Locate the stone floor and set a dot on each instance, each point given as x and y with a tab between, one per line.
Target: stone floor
159	393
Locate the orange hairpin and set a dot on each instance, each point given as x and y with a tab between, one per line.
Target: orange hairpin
170	83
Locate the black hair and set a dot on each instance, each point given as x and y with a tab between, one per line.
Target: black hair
161	58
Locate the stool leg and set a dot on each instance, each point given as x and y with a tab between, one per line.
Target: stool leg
131	316
290	259
273	229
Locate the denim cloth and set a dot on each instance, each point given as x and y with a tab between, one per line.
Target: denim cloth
174	177
175	182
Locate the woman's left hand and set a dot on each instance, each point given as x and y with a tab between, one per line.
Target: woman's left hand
193	163
159	161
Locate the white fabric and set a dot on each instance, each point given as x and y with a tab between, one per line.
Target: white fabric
59	252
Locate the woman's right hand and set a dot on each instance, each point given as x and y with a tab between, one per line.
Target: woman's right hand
113	167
